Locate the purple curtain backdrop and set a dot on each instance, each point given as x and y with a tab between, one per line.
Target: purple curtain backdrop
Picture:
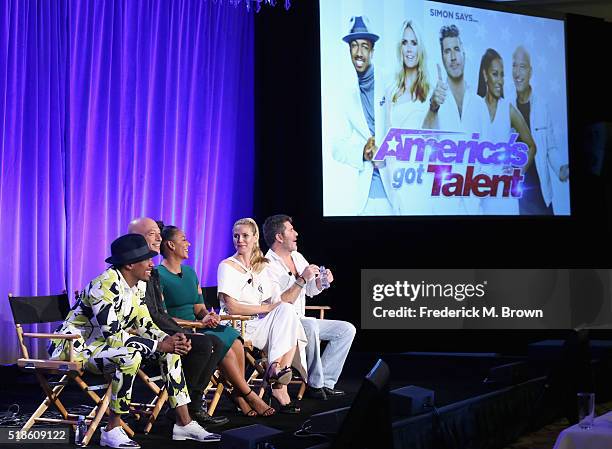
113	110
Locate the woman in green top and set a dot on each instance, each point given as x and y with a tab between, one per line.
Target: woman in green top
183	299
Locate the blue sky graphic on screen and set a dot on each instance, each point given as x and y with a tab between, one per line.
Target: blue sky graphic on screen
437	109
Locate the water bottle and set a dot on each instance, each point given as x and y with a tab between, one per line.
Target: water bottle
81	430
323	274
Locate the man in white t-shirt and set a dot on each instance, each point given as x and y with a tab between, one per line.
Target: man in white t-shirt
455	107
296	279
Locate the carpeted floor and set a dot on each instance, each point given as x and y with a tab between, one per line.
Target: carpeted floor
465	381
545	437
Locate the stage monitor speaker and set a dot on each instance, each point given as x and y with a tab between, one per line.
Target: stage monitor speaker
411	400
508	374
329	421
254	436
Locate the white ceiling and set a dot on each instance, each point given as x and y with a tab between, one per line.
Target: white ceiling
594	8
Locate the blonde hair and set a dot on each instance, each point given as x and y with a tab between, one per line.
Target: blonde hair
420	87
257	259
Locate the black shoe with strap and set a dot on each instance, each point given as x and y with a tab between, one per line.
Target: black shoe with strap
243	411
267	412
291	408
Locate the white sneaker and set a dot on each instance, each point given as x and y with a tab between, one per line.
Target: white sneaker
193	431
117	438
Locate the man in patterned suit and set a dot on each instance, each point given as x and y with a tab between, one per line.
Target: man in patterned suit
110	306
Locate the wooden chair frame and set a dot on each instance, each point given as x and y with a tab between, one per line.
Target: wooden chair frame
259	366
217	383
70	370
155	405
321	310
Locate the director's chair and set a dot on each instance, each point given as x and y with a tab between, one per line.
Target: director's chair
217	383
259	363
51	309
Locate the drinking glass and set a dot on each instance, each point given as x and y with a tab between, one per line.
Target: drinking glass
586	410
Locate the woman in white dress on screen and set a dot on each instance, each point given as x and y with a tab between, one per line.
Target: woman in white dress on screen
405	108
245	289
503	118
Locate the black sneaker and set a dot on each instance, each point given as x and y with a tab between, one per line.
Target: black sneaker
205	420
333	393
316	393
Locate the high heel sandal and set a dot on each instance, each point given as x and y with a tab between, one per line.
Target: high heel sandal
251	413
267	412
271	376
291	408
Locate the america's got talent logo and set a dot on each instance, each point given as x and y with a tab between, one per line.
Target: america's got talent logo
459	166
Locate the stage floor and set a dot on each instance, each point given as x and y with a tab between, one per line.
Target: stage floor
453	378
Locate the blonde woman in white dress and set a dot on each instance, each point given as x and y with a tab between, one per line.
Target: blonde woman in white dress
406	108
245	289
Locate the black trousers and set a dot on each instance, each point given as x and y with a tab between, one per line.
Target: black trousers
200	363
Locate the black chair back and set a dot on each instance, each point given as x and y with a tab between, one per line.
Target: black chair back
39	309
210	297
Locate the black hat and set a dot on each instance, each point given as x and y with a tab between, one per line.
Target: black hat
130	248
359	29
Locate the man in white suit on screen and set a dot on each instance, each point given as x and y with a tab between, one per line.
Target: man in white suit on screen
356	145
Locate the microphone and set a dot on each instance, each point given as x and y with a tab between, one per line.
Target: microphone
180	275
249	281
289	273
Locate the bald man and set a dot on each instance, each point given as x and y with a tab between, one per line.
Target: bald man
200	363
537	189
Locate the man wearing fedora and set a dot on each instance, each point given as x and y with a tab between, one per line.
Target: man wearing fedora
356	145
108	309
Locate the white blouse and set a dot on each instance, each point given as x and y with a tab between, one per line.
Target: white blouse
246	287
